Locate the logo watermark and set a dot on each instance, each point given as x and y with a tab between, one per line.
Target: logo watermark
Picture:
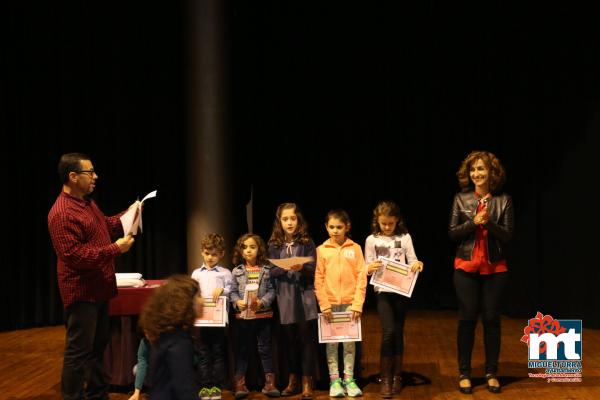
556	346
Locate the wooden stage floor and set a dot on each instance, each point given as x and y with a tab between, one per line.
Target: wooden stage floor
31	361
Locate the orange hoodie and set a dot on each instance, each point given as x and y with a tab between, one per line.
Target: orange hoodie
340	275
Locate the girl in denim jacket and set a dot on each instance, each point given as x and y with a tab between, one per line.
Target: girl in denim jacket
253	268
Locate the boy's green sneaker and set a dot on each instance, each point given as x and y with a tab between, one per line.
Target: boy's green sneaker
352	388
215	393
204	394
335	388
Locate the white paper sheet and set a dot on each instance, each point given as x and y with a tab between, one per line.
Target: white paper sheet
128	275
130	282
149	196
287	263
129	279
132	219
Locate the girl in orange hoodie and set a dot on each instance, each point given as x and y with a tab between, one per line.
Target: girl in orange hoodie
340	285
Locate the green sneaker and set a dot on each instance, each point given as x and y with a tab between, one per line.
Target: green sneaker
215	393
335	388
352	388
204	394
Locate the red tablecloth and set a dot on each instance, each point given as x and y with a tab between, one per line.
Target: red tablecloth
129	300
121	353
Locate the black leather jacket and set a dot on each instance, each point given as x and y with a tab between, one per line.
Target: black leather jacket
461	227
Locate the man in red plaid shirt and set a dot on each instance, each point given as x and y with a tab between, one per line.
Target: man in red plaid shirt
82	238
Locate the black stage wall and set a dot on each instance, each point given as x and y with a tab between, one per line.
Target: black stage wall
331	107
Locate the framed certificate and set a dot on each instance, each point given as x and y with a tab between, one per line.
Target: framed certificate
395	277
341	329
213	313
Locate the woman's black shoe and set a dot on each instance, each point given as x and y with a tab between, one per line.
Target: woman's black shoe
465	389
492	388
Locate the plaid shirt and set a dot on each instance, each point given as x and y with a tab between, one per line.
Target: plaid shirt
81	236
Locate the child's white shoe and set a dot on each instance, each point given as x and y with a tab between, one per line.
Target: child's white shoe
352	388
335	388
215	393
204	394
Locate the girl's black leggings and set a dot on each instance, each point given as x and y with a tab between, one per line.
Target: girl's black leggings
391	308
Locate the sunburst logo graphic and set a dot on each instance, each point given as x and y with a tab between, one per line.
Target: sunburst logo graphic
552	339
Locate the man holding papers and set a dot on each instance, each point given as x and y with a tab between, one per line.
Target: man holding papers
82	238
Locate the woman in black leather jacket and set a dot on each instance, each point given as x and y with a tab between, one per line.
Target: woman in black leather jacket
481	222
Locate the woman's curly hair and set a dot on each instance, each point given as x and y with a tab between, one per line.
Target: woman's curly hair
278	235
238	251
170	307
497	175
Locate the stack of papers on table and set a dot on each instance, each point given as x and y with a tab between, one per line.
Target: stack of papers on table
132	279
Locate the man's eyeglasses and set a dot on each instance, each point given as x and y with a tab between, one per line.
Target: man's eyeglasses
90	172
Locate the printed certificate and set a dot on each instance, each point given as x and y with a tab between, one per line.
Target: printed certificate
341	329
213	313
395	277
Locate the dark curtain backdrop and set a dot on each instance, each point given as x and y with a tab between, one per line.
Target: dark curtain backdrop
106	81
336	106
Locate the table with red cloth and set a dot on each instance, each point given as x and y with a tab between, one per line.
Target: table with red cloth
121	353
